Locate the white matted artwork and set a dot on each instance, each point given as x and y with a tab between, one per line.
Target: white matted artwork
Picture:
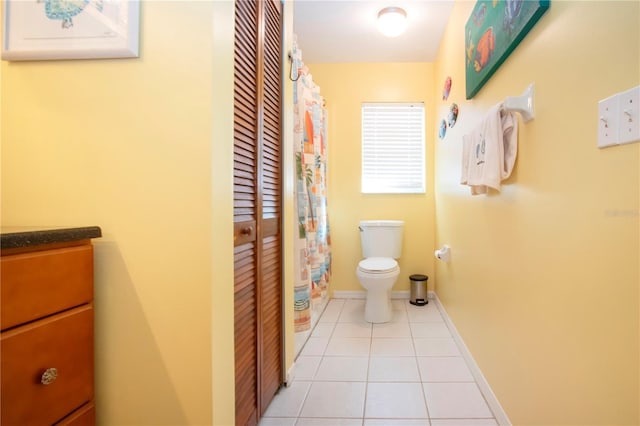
69	29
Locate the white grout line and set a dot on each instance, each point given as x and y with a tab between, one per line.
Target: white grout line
498	412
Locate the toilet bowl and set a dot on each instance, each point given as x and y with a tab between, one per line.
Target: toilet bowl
378	275
381	245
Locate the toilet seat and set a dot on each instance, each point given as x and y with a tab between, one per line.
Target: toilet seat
378	265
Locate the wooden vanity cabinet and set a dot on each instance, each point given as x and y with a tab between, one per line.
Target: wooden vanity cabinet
46	343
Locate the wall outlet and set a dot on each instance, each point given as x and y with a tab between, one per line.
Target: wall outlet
629	116
608	119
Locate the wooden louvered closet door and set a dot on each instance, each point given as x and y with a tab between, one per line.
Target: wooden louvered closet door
257	207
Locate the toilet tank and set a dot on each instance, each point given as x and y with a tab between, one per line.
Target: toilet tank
381	238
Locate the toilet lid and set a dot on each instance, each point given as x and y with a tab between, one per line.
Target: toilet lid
378	264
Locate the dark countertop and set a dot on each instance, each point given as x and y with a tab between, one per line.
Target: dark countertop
24	236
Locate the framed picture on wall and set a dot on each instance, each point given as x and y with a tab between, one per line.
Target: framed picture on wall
66	29
493	31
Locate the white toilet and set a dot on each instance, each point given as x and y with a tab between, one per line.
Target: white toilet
381	244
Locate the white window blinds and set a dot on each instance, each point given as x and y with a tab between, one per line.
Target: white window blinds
393	148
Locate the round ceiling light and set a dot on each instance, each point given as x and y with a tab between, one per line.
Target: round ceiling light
392	21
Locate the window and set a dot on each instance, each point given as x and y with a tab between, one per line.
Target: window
393	148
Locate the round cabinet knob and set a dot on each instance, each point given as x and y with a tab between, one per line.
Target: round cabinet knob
247	230
49	376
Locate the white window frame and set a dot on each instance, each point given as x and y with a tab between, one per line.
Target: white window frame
393	148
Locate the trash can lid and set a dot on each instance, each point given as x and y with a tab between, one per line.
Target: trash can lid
418	277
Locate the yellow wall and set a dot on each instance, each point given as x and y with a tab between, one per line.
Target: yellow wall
143	148
126	145
221	261
544	278
345	87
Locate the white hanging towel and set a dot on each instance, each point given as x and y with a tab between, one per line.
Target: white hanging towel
489	152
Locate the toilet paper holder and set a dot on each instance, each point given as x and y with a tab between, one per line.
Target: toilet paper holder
443	254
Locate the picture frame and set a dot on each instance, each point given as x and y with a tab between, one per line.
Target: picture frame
493	31
61	29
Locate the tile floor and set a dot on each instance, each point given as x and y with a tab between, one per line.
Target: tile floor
406	372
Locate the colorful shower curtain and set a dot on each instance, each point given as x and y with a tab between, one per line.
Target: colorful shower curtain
312	242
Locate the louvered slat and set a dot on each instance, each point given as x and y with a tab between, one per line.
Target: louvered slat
245	130
257	206
271	245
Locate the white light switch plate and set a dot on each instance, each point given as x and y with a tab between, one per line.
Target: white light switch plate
608	119
629	116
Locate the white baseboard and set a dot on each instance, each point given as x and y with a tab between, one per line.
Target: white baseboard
290	375
489	396
361	294
356	294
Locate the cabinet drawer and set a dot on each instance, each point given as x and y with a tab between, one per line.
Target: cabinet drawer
84	416
42	283
64	342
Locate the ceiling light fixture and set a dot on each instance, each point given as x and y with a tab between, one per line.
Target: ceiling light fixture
392	21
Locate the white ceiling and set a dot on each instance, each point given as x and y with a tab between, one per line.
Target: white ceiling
332	31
